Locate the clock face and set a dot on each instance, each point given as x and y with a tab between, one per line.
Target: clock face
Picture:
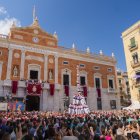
35	39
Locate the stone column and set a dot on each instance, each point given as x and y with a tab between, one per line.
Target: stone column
45	67
10	54
56	69
22	64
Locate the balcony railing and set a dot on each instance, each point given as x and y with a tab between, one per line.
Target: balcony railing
133	46
137	83
112	90
22	84
135	63
3	36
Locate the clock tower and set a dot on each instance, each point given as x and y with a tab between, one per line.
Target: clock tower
33	34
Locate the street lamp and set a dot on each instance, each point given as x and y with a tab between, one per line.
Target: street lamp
8	97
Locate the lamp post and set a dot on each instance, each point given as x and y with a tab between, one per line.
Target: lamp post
8	97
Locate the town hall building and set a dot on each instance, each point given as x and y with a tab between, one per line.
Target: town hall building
34	68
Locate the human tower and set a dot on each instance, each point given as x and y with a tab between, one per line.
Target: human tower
79	105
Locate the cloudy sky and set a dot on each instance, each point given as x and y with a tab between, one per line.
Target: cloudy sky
6	21
96	24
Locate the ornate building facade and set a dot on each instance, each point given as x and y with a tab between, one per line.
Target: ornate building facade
123	88
131	41
30	56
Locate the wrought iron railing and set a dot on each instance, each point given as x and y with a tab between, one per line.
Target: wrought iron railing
135	63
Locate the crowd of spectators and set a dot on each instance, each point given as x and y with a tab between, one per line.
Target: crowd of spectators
97	125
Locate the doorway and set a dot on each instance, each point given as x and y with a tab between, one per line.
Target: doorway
32	103
34	74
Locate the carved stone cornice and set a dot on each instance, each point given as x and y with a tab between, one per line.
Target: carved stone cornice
28	33
10	48
23	51
31	57
62	53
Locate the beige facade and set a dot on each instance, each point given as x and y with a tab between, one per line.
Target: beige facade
123	87
29	50
131	41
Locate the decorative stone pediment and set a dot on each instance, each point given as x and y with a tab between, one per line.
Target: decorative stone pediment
97	74
33	34
110	76
82	72
66	71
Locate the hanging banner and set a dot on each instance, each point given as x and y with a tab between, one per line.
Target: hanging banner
16	106
14	87
52	86
34	88
20	106
3	106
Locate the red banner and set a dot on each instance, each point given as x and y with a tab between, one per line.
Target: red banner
34	88
99	92
14	87
51	89
66	90
85	91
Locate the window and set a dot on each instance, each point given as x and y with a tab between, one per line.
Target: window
121	98
120	81
65	62
132	42
97	82
82	65
34	71
111	83
96	68
82	80
99	104
33	74
128	90
65	79
135	58
109	69
118	73
127	83
113	104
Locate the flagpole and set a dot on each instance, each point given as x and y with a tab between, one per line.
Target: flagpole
33	13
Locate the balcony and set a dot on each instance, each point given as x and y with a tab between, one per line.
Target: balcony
22	84
135	63
7	83
137	84
133	47
120	84
3	36
47	86
112	90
